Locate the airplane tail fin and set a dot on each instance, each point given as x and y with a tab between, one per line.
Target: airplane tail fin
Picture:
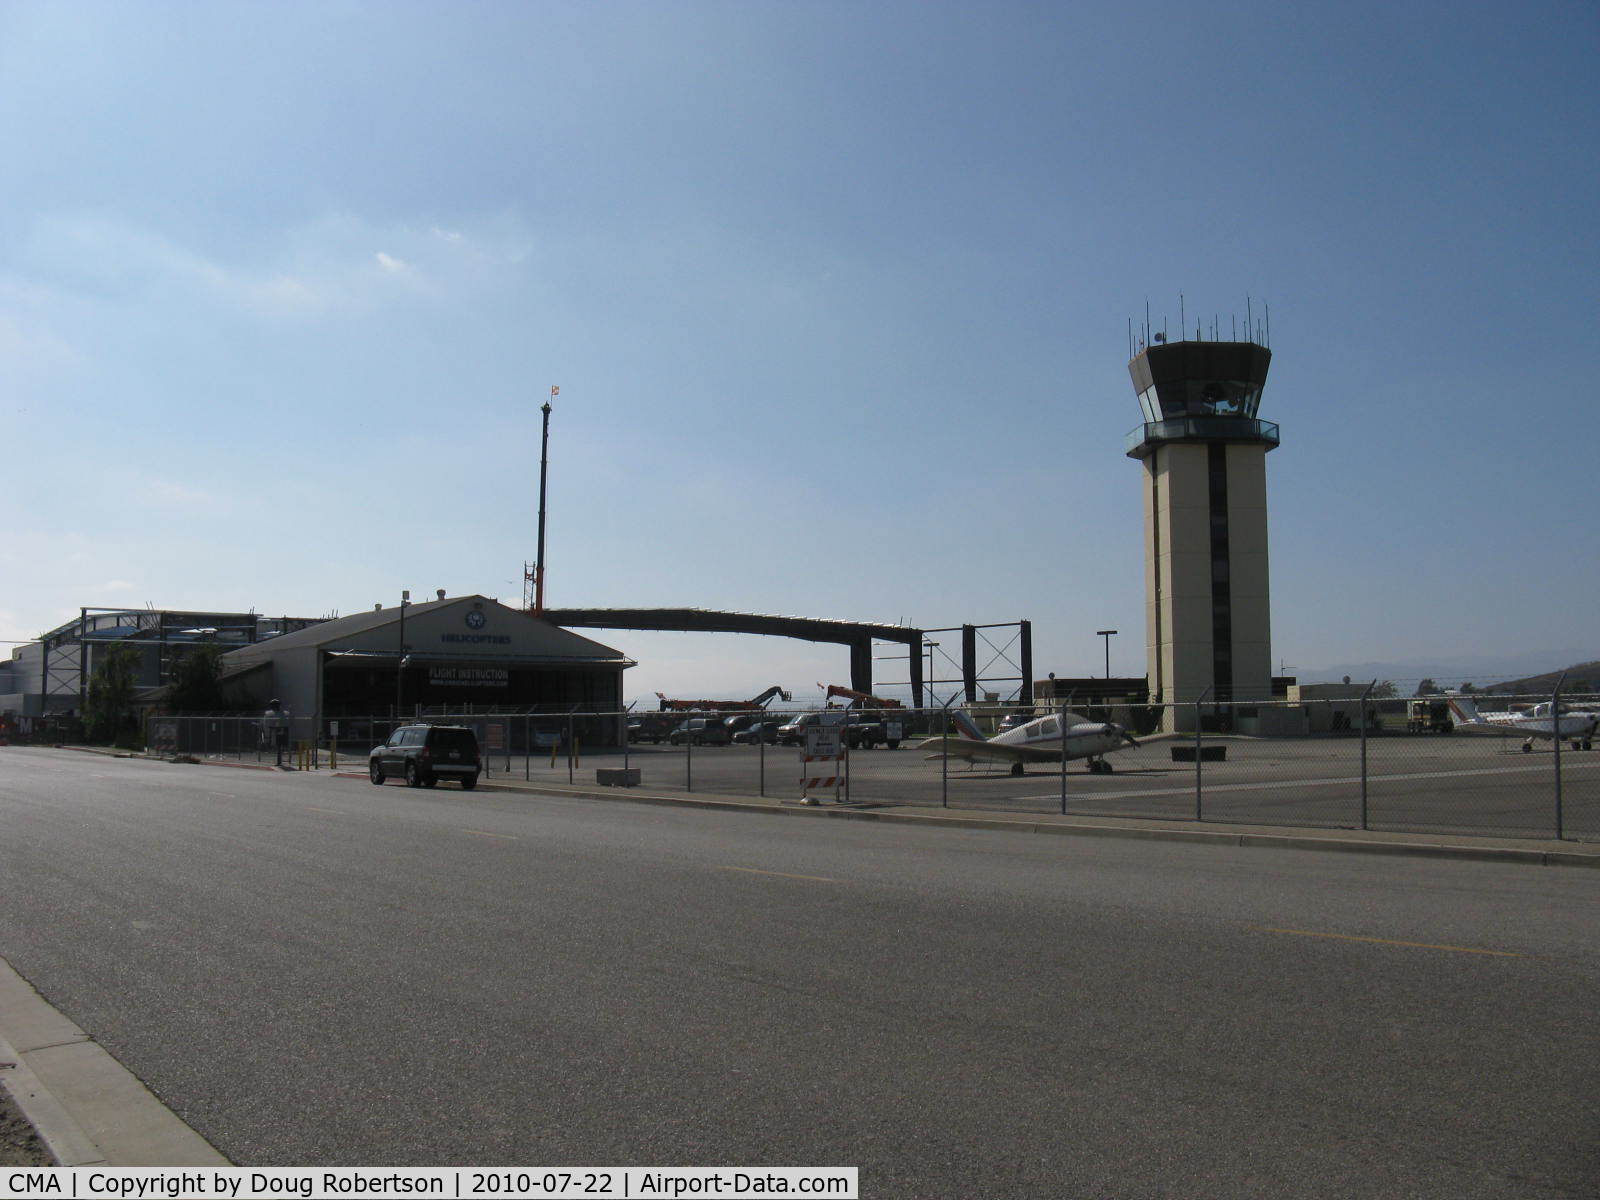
1463	709
967	727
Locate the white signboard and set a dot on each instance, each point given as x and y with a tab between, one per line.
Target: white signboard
474	677
824	741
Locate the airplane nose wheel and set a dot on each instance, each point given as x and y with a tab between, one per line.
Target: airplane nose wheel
1016	768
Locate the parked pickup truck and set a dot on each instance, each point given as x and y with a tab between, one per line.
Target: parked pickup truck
872	729
862	730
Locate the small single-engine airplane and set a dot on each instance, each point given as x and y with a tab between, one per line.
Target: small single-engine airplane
1536	722
1038	741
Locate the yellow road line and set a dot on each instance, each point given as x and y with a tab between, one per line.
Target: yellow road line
1348	937
510	837
782	874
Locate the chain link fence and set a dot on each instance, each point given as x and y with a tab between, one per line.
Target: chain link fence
1355	763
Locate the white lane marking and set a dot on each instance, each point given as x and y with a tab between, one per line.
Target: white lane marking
1350	937
782	874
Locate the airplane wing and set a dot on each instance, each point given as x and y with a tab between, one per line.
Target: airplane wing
972	750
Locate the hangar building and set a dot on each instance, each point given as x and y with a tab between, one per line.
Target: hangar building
467	650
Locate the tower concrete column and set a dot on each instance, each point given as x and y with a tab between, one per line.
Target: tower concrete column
1203	452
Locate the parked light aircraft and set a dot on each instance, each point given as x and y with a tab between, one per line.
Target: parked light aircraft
1040	741
1536	722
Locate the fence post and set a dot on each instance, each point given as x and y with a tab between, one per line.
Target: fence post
1062	718
761	752
1364	696
569	747
1555	740
688	760
627	749
1199	793
844	739
944	759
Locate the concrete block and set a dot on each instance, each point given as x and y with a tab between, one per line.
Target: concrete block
617	776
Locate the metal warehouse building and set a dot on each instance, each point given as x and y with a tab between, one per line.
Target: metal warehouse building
468	650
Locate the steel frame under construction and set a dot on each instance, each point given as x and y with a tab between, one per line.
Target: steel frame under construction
69	651
859	636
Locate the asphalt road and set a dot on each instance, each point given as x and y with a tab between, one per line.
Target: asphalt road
316	971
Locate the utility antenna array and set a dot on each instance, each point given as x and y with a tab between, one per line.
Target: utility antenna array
1256	329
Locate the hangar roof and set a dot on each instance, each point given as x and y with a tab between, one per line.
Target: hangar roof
474	627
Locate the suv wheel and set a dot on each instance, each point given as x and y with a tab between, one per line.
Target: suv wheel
374	771
468	782
413	779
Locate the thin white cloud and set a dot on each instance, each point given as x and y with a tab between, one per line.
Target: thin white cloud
28	348
170	494
327	266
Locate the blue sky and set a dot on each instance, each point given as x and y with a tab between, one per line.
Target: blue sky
837	298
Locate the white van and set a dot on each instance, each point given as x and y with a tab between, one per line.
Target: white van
794	732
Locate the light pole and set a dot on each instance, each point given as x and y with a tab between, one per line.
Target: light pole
1108	634
544	472
400	658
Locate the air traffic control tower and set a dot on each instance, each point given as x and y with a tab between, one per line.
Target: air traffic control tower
1204	452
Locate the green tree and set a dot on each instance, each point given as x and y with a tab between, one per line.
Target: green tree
1384	691
193	686
1429	688
108	713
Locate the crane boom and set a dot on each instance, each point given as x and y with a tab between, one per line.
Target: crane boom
760	701
861	699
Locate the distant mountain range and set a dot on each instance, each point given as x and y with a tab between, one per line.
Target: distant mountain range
1531	671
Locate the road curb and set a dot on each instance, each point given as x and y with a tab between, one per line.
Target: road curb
63	1137
87	1108
1269	840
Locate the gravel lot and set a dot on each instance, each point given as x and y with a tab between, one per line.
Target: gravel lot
19	1145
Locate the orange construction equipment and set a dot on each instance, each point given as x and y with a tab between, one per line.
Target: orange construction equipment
858	699
722	705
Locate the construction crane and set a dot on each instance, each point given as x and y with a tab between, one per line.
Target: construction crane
857	699
760	701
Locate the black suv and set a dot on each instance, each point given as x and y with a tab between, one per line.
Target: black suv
700	731
425	754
